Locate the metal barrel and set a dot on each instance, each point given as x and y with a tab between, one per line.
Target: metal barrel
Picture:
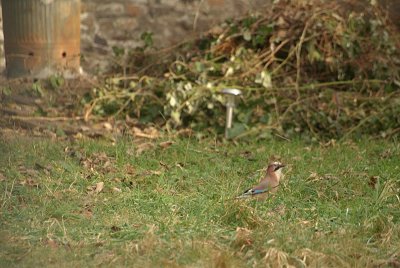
41	37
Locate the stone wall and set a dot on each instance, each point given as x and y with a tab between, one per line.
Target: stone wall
121	22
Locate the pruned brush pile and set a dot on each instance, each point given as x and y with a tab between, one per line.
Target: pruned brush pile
307	67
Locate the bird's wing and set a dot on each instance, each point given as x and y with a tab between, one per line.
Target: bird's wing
252	192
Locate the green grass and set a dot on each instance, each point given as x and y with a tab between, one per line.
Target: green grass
175	205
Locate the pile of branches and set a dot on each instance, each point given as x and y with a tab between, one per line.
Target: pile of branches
328	69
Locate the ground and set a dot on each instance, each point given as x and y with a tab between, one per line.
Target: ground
167	200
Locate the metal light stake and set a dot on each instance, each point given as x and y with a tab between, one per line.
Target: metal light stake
231	94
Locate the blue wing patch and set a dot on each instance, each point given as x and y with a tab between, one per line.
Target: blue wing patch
258	191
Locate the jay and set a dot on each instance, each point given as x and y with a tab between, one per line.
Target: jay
268	184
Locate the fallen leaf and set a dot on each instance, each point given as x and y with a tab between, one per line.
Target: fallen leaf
87	213
115	228
152	172
186	132
2	177
387	154
51	243
164	165
314	177
107	126
243	237
148	133
99	187
116	189
166	144
30	182
129	169
143	147
373	180
116	180
95	188
179	165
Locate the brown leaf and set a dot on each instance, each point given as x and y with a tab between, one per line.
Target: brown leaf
107	126
144	147
179	165
186	132
117	190
2	177
148	133
314	177
152	172
166	144
30	182
115	228
118	180
95	188
87	213
51	243
373	180
99	187
243	237
248	155
164	165
129	169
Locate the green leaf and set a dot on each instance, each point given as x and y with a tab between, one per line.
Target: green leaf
118	51
147	38
236	130
37	88
56	81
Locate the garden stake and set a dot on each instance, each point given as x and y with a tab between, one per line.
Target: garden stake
231	94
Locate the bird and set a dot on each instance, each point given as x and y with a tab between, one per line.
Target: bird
268	184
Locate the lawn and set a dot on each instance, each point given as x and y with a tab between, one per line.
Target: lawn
97	203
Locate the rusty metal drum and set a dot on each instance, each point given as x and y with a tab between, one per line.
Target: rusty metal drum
41	37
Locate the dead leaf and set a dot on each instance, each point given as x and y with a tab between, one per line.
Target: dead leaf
330	143
99	187
248	155
314	176
118	180
164	165
95	188
179	165
87	213
387	154
243	237
186	132
130	170
148	133
99	162
143	147
166	144
116	189
115	228
30	182
152	172
107	126
2	177
51	243
373	180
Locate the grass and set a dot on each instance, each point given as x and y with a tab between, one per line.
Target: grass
171	207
